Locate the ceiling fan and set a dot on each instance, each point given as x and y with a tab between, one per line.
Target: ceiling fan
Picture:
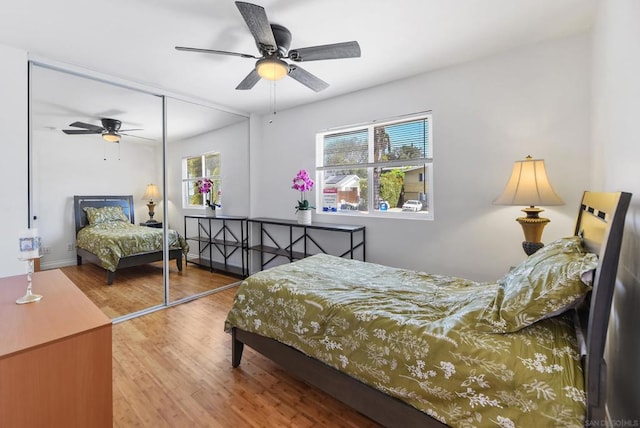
273	43
110	130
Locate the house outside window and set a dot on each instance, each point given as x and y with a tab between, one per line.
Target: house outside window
380	169
195	168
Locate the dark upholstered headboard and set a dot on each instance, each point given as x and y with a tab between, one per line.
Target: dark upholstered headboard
80	202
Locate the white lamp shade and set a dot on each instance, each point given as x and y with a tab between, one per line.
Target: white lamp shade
151	193
529	185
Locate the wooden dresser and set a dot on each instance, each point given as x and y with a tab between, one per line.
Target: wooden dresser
55	356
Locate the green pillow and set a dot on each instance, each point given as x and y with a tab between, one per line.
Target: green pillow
544	285
103	214
569	244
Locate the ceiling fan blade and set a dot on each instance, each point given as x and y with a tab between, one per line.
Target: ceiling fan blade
80	131
333	51
213	51
258	23
249	81
137	136
307	79
87	126
120	131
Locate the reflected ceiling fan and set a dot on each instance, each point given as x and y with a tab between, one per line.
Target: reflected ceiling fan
273	43
110	130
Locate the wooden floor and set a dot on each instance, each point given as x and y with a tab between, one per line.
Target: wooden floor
172	368
141	287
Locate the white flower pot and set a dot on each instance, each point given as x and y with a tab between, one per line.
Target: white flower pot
304	216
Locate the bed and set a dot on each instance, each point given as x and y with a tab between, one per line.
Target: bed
527	350
106	235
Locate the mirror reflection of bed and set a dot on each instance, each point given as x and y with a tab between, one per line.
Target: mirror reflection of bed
126	257
107	235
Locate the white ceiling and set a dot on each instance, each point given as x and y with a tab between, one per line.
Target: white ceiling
135	39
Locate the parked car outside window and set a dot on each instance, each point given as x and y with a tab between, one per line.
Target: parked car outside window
412	205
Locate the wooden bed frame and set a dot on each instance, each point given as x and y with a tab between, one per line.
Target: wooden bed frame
600	222
126	202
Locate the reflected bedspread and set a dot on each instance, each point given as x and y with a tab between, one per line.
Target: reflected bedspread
112	240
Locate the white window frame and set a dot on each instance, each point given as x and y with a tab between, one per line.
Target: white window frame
371	211
189	182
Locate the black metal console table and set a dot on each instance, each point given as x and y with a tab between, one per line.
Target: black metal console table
218	239
294	241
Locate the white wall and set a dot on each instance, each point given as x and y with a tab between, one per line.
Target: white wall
13	158
486	114
616	148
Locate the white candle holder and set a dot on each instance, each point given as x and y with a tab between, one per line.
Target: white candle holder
29	251
29	297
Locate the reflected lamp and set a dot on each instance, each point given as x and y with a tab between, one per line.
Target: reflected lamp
111	136
150	194
530	186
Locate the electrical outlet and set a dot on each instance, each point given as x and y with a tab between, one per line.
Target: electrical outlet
71	247
46	250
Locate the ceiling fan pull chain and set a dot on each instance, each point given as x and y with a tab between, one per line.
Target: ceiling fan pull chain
272	96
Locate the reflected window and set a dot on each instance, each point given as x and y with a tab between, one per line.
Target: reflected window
201	180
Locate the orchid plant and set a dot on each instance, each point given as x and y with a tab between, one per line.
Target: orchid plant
205	186
302	183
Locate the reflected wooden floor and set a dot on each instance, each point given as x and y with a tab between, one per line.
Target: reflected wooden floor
140	287
172	368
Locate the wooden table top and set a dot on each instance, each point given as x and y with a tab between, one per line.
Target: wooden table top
63	311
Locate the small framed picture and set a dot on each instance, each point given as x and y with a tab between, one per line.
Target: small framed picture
29	244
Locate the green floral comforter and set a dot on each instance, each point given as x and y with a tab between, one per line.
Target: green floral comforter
412	335
112	240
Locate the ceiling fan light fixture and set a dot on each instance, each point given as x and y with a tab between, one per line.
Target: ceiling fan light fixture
111	136
273	41
272	68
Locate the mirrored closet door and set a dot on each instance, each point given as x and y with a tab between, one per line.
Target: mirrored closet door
93	139
206	144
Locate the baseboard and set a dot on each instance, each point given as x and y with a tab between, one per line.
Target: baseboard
57	264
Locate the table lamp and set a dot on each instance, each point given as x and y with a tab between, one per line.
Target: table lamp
150	194
529	185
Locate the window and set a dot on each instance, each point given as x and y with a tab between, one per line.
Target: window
196	168
377	169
